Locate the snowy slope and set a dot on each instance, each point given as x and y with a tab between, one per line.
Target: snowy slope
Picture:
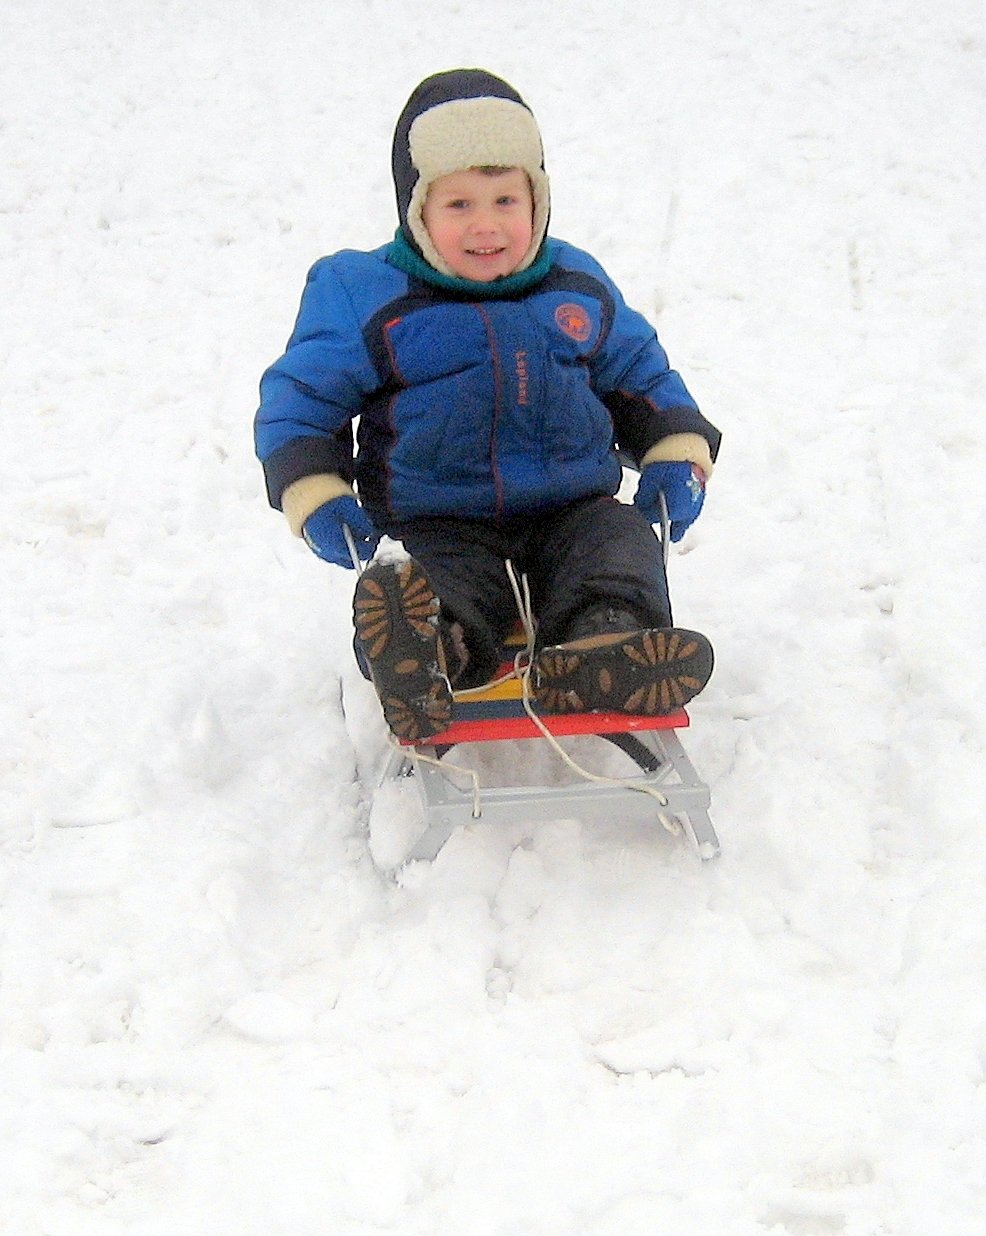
216	1016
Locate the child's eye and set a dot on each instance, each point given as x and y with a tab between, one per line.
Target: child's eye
506	200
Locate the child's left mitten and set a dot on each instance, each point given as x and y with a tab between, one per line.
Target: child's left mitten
683	486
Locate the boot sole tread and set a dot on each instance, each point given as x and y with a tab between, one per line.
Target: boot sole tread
643	673
395	613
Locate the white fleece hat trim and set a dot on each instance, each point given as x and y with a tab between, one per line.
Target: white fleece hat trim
479	132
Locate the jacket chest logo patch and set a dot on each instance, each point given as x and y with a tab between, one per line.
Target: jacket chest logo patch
574	321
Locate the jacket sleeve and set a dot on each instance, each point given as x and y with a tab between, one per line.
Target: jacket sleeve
647	399
309	397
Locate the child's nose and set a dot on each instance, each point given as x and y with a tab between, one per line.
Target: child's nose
484	220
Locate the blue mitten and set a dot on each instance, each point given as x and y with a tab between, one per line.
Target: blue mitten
683	486
323	534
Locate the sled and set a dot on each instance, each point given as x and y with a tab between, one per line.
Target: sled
666	788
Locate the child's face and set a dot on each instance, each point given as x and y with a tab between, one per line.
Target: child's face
481	223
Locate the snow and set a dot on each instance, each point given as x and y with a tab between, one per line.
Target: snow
218	1016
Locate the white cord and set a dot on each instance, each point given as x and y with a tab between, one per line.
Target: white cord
524	674
486	686
662	503
445	770
353	551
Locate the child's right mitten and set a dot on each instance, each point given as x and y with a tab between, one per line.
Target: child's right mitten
324	535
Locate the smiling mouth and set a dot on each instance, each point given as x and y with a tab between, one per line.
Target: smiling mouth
485	252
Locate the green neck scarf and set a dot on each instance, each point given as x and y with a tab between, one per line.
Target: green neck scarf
401	255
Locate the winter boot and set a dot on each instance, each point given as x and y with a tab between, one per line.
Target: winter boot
398	631
603	668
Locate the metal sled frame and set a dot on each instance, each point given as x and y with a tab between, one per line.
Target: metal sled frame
450	799
670	791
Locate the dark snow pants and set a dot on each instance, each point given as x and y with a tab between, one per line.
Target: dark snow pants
579	555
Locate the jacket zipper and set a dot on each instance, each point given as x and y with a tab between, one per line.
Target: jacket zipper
497	407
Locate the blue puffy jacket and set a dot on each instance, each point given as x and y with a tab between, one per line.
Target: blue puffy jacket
478	407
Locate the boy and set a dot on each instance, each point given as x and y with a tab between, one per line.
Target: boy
493	372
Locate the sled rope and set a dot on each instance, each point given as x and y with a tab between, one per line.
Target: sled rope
449	770
522	670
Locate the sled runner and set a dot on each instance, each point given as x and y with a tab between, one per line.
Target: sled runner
666	787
